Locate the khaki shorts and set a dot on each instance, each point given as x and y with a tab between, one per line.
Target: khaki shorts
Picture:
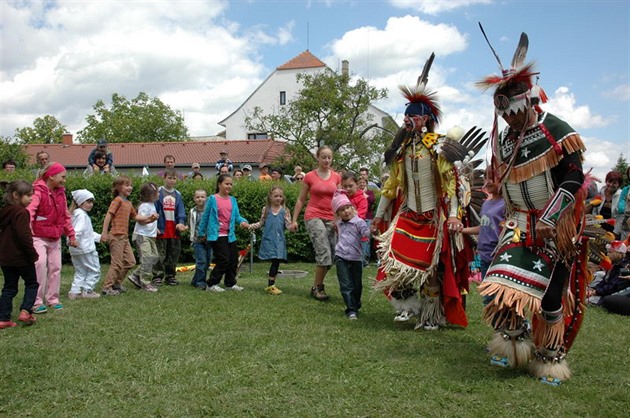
323	238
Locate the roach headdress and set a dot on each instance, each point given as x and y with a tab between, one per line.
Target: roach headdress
421	101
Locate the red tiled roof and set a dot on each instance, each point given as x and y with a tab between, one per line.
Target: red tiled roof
139	154
304	60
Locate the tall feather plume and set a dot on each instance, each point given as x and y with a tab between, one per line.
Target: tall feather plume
521	52
423	79
491	48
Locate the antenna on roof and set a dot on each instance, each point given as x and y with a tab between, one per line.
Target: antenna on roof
308	35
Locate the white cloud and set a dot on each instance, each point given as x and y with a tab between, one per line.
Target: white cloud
563	105
375	53
600	156
434	7
621	92
61	65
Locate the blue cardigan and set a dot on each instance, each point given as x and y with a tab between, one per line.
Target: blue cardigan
209	226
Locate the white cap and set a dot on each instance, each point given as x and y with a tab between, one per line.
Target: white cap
81	195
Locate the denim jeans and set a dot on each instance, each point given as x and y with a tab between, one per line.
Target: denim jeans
349	274
11	278
203	257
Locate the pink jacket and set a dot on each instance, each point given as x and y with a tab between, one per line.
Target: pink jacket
49	214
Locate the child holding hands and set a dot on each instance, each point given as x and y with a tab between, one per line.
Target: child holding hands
202	250
218	226
275	219
144	235
349	252
87	267
118	215
18	255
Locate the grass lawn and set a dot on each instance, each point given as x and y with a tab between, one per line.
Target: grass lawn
184	352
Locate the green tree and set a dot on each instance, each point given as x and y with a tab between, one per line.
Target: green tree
622	167
10	149
328	110
46	130
143	119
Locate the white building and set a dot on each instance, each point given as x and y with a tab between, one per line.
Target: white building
276	91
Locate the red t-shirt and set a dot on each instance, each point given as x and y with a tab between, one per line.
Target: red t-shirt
320	202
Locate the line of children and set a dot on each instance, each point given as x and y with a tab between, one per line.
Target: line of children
218	226
351	229
87	267
50	220
118	214
202	250
275	218
18	255
145	235
171	222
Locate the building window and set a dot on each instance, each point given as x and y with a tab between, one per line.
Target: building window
283	98
257	135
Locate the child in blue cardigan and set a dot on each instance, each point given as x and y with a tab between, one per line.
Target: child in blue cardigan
218	225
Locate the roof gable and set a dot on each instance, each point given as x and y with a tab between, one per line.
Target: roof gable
304	60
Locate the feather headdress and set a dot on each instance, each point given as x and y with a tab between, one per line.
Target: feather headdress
422	101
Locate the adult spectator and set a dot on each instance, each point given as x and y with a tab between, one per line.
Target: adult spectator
238	173
298	178
197	176
196	168
276	174
101	146
364	173
297	171
100	166
224	161
320	184
169	165
223	170
42	158
264	173
9	165
608	208
247	172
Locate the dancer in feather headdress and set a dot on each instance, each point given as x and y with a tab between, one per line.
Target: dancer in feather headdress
540	264
419	271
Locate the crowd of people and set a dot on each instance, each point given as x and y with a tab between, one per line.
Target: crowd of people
532	253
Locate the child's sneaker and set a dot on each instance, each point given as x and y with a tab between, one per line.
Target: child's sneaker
110	292
352	315
215	288
90	294
149	288
273	290
7	324
26	317
157	281
235	288
57	306
74	296
172	281
40	309
135	280
120	288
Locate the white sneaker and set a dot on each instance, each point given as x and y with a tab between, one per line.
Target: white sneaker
90	294
236	288
215	288
73	296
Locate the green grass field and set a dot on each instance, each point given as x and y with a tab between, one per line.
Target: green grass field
184	352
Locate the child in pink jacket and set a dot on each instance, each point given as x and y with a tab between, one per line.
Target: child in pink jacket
50	220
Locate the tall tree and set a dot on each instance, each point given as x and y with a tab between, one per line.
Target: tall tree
12	150
328	110
46	130
143	119
622	167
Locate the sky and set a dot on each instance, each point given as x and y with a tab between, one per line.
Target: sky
204	58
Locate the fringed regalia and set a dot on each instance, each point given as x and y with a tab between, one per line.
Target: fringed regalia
424	186
526	267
